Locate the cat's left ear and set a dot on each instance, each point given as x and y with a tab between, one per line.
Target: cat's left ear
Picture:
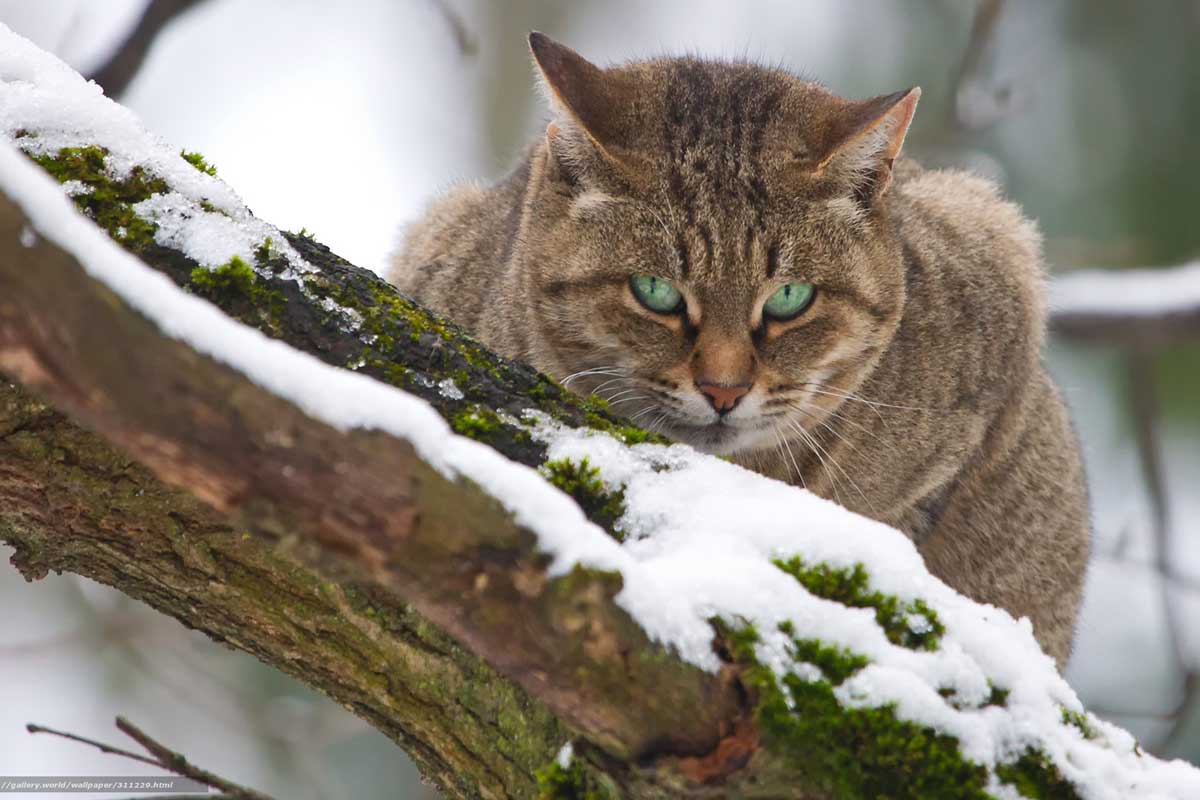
864	140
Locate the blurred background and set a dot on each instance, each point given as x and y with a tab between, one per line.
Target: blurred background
346	118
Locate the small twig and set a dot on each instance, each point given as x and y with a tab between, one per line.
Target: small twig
982	29
101	746
467	44
1145	414
122	66
164	758
1144	403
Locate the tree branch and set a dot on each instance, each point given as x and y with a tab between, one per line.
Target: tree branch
1136	309
115	75
162	757
360	506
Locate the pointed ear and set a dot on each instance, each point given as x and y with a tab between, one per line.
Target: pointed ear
865	139
585	97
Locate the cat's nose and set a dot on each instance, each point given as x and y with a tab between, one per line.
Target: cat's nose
723	397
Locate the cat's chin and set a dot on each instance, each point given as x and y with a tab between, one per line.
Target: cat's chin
717	438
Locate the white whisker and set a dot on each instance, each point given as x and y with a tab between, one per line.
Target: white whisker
823	389
819	449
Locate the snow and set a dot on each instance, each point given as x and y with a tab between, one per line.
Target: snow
1128	293
72	113
565	754
692	551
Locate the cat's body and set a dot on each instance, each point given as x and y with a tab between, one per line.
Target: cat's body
909	388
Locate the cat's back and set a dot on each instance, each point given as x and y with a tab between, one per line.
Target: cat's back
953	220
451	258
974	274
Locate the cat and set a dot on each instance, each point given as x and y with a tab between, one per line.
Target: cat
743	261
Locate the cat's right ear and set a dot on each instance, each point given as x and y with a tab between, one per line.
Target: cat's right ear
864	140
588	103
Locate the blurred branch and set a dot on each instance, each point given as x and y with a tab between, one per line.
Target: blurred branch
975	102
1145	409
1137	309
464	38
115	75
987	12
162	757
1144	403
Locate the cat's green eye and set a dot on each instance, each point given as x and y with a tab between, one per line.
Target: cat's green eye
788	301
656	294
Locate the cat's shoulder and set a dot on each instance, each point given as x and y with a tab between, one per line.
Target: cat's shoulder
962	217
468	224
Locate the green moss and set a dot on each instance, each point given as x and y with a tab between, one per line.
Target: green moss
197	161
555	782
996	697
476	422
598	415
851	587
262	253
387	314
237	288
849	752
582	481
107	200
1034	776
1079	719
836	663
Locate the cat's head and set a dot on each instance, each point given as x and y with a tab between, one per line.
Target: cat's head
708	244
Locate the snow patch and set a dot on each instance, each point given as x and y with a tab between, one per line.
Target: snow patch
1128	293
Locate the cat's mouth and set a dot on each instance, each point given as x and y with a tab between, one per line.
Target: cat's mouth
722	437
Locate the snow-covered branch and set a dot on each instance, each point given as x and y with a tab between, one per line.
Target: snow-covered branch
699	631
1131	308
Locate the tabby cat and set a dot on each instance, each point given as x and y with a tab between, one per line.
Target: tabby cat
740	259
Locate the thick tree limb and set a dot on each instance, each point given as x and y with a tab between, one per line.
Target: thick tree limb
69	501
360	506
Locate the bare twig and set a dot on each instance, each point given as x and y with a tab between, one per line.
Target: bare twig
163	757
972	107
1144	402
118	72
464	38
101	746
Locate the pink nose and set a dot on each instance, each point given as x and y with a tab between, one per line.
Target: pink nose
721	397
